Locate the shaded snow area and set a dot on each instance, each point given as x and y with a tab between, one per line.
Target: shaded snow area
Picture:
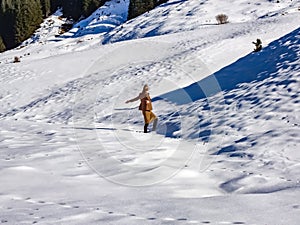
226	150
103	20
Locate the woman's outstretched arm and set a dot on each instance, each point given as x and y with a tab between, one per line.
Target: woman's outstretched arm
140	96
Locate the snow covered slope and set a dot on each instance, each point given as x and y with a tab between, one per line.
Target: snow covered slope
186	15
226	149
103	20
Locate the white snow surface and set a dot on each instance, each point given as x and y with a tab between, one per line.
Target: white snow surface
227	146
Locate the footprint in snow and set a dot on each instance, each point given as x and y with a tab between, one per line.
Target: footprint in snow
151	218
296	206
182	219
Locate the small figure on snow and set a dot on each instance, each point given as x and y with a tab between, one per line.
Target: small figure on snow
146	108
258	45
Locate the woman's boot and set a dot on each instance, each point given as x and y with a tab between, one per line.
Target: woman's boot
145	127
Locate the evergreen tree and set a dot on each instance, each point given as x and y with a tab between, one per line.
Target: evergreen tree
72	8
7	21
55	4
76	8
46	7
89	6
138	7
28	18
2	45
159	2
20	18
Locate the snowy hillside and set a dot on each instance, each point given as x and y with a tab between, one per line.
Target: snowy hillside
227	146
186	15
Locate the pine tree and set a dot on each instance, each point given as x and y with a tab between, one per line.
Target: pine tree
20	18
2	45
159	2
89	6
55	4
46	7
7	21
28	18
76	8
138	7
72	8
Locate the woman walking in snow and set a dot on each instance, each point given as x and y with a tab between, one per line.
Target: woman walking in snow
146	108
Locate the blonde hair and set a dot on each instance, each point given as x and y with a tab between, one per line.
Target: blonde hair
146	85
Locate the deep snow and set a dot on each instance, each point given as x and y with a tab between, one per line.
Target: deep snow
226	149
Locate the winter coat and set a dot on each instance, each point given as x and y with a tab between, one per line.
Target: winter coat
146	104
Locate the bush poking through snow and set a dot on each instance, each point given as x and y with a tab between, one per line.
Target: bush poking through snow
66	27
17	59
222	19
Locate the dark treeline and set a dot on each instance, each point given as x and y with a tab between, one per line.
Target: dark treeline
138	7
20	18
76	9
